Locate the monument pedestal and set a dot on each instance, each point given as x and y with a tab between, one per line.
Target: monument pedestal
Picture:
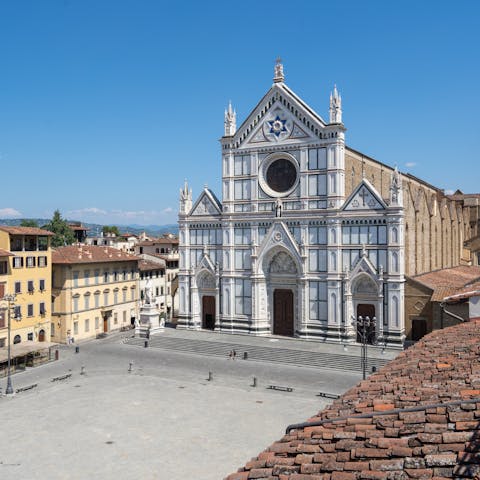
150	322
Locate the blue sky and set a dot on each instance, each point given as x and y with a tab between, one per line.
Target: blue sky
107	106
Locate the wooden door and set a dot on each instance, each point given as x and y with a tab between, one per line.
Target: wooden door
366	310
105	324
208	312
41	336
283	312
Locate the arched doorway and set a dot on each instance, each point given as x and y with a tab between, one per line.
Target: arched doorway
365	297
41	335
207	292
17	339
282	283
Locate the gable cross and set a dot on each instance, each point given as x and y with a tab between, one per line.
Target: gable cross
363	194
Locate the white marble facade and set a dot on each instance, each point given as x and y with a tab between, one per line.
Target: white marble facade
285	252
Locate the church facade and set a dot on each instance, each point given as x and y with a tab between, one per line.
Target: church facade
310	236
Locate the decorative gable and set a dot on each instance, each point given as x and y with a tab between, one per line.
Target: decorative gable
364	197
207	204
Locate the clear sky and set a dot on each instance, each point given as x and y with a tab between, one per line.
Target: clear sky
106	106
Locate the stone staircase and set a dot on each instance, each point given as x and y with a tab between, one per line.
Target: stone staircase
288	356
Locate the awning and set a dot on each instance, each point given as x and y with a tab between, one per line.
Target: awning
22	349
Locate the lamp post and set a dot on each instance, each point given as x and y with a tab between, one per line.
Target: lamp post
10	299
364	331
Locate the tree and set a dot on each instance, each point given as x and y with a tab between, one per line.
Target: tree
28	223
63	234
109	230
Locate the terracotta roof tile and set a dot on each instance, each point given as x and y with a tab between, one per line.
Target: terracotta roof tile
89	254
448	281
146	265
417	417
17	230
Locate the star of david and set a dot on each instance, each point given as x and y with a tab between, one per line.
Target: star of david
277	126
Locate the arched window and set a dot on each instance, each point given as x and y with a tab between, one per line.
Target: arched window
333	307
394	235
395	313
394	262
17	339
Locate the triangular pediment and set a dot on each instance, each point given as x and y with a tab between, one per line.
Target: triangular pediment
364	197
281	116
206	263
278	238
363	265
206	204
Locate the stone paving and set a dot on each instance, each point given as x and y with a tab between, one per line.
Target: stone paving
163	420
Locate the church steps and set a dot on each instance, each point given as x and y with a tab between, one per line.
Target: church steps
261	354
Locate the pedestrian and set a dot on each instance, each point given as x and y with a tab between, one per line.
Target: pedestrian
234	354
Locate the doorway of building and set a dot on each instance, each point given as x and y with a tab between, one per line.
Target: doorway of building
208	312
366	310
283	312
41	336
105	324
419	328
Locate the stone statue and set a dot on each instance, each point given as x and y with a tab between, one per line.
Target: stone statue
148	292
278	208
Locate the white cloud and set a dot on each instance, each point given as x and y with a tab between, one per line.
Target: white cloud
87	211
410	164
9	212
449	192
167	210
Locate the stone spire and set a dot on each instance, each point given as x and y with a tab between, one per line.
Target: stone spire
335	106
185	199
396	191
230	122
278	73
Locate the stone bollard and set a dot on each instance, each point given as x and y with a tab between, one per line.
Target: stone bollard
210	377
77	349
82	370
254	384
130	367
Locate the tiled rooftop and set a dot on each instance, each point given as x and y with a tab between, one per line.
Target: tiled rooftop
146	266
17	230
417	418
90	254
448	281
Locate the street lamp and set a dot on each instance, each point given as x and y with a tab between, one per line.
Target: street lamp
364	332
10	299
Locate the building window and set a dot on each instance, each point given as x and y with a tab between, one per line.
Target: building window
43	244
115	297
317	185
87	277
16	243
97	323
42	308
97	300
75	328
86	301
242	165
97	277
42	261
105	299
30	337
242	259
3	268
124	316
30	310
30	243
243	297
115	318
30	262
41	285
17	262
18	287
132	294
75	304
30	286
75	279
105	276
317	260
87	325
317	235
317	158
17	312
242	236
52	329
364	235
318	301
242	189
115	276
124	295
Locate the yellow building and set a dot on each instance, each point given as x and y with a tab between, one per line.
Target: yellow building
95	291
26	271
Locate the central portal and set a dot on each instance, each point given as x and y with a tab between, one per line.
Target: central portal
283	312
208	312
